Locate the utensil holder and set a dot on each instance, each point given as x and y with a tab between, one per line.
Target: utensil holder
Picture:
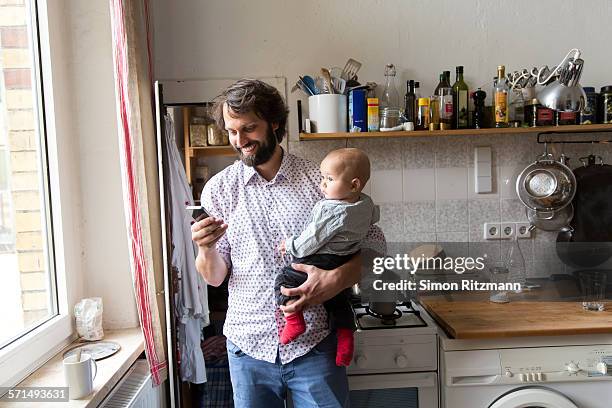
328	113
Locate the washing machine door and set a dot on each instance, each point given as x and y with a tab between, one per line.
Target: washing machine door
533	397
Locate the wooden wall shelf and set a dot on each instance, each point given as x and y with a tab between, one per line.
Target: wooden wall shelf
457	132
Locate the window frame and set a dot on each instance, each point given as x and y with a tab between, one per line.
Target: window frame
49	34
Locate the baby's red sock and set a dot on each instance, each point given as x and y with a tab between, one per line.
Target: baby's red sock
346	346
293	328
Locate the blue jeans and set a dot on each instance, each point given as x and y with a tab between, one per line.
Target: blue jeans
313	379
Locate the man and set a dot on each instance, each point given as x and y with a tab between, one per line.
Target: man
254	205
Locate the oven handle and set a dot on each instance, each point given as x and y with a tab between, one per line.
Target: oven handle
399	380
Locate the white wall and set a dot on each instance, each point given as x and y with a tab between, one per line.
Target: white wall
104	248
235	38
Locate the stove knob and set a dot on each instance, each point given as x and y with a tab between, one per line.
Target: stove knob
602	368
572	368
539	376
401	361
522	377
509	374
361	361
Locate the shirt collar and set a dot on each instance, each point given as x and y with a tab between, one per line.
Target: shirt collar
285	169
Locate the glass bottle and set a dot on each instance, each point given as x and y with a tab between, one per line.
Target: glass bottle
434	112
410	107
445	98
515	263
500	98
390	96
460	101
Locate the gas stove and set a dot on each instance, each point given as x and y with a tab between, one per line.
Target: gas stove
395	357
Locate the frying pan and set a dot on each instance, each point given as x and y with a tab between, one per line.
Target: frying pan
589	241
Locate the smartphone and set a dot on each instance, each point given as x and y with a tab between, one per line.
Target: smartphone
197	212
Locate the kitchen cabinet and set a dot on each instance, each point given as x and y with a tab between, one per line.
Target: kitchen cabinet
456	132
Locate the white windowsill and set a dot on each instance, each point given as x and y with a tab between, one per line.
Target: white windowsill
110	370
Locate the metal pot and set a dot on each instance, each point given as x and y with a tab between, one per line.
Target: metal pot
551	220
546	185
383	308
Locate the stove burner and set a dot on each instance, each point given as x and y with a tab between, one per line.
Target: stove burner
387	320
404	316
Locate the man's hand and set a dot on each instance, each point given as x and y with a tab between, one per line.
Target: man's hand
321	285
207	232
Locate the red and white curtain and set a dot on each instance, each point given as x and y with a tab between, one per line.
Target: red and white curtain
133	76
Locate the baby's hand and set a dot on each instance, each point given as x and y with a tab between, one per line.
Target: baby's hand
282	248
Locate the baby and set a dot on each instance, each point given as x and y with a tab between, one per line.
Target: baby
333	235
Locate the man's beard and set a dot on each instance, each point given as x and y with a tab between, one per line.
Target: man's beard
263	152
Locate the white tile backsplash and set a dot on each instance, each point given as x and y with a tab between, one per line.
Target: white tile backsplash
451	183
386	186
419	184
425	187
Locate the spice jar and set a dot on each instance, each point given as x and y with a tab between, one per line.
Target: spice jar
423	114
531	112
544	116
588	113
605	112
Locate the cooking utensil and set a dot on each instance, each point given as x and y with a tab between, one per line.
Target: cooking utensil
350	69
310	83
328	81
307	85
339	85
551	221
546	185
589	241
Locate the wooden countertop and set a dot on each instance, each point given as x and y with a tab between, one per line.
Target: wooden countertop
470	319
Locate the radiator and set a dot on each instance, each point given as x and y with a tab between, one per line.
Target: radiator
135	390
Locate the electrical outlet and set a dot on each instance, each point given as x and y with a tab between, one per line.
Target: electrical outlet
508	230
523	230
492	231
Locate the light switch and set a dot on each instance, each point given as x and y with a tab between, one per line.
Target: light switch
483	173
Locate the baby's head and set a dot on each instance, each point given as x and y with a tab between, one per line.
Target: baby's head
345	172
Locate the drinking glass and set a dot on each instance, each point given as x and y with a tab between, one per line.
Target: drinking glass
593	284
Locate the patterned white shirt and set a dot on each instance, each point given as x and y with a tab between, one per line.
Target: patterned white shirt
260	214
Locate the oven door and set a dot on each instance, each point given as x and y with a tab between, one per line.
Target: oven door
402	390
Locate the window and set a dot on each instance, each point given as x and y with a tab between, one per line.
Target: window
33	287
27	295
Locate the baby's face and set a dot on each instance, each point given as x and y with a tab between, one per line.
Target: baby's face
335	184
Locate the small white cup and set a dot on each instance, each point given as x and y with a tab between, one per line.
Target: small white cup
79	375
328	113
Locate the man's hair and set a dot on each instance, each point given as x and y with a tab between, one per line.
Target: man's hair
253	95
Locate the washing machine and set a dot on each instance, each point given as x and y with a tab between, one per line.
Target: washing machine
537	376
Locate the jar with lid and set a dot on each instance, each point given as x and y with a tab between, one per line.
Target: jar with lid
197	131
605	112
423	114
588	115
216	137
389	118
531	112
